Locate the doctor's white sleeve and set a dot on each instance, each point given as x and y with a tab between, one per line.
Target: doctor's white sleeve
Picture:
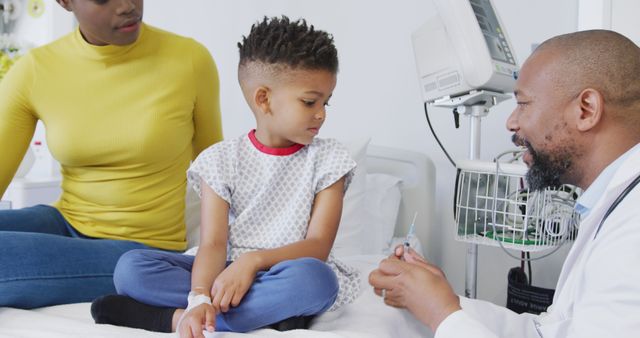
481	319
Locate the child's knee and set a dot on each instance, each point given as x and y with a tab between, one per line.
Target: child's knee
319	278
128	270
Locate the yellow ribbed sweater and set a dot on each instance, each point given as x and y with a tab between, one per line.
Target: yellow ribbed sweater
124	123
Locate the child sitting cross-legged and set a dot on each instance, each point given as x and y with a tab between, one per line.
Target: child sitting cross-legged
271	204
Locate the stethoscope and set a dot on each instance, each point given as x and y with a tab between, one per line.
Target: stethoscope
615	203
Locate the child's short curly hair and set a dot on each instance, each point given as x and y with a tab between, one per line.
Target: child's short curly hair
290	43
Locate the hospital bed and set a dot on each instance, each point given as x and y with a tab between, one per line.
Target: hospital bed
390	185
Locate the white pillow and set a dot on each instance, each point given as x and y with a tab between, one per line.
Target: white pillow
382	204
349	238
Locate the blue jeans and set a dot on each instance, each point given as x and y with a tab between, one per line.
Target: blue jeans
45	261
300	287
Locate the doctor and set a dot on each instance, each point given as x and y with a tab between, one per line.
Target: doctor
578	115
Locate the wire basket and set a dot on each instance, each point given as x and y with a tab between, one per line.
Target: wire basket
495	207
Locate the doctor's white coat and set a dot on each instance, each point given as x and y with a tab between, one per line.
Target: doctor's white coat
598	292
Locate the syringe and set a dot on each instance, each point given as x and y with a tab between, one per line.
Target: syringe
411	233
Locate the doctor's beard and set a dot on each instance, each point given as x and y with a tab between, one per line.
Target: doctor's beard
547	168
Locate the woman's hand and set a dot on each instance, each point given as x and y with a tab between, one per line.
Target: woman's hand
417	285
202	317
233	283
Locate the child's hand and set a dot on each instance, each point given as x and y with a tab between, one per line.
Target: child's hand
233	283
202	317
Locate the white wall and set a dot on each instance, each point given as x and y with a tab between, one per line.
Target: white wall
618	15
377	92
53	23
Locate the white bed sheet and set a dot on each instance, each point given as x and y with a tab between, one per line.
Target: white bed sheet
367	317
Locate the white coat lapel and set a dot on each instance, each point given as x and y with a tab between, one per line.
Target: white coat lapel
588	226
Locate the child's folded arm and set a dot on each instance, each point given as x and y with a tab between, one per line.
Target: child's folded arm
212	252
323	226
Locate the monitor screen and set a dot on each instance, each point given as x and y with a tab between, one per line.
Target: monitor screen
463	48
493	34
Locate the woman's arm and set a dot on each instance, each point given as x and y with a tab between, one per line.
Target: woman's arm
206	111
323	226
17	120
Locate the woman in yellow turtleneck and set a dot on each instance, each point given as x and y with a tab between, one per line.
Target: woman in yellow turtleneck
126	107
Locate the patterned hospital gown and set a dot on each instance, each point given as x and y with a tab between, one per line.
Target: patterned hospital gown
271	196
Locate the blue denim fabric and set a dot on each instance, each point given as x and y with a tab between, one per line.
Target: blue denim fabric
300	287
45	261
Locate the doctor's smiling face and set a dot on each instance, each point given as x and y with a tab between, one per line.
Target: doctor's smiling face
540	123
107	22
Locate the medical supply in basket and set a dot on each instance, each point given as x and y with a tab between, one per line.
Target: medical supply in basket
494	206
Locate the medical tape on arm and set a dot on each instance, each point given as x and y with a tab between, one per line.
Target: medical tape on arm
196	299
193	300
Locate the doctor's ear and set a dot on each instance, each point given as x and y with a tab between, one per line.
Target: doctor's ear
591	107
262	99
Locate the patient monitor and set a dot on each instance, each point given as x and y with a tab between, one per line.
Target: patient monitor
463	48
466	62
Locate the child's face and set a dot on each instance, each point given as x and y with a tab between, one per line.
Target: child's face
298	107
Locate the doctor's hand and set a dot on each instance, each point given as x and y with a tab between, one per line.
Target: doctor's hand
202	317
233	283
417	285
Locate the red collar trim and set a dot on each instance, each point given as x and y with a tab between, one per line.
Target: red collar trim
273	151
